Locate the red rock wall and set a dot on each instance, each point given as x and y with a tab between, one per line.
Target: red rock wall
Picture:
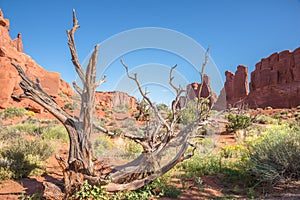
193	90
236	86
12	51
275	81
111	100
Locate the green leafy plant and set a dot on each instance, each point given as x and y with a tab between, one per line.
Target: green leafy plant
237	122
88	191
35	196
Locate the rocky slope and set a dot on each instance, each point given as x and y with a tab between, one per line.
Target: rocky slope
275	82
12	51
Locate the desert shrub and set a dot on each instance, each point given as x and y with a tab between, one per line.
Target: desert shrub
33	129
128	122
55	133
5	172
232	161
275	154
237	122
13	112
264	119
8	133
25	157
70	106
113	123
102	145
131	149
76	97
116	130
121	108
189	114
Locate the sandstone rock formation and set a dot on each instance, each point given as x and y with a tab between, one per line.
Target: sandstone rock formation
193	90
275	82
12	51
236	85
112	100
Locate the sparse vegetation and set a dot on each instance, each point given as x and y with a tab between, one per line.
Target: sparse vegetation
237	122
70	106
24	157
275	154
13	112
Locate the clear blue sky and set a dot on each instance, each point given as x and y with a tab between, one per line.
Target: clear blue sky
237	31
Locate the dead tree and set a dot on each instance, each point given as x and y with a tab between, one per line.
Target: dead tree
160	138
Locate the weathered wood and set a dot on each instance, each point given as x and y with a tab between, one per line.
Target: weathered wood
135	174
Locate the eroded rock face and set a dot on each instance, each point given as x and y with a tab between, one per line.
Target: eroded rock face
275	81
193	90
236	85
12	51
112	100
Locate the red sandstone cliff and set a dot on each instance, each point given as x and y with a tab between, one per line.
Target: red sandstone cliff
193	90
111	100
275	82
12	51
236	85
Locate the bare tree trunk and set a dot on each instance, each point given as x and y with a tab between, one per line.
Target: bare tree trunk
141	171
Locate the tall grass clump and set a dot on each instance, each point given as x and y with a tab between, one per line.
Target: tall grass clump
275	154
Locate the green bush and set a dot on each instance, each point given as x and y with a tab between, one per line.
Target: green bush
275	154
102	145
264	119
237	122
70	106
13	112
90	192
25	157
122	108
33	129
55	132
189	114
132	148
